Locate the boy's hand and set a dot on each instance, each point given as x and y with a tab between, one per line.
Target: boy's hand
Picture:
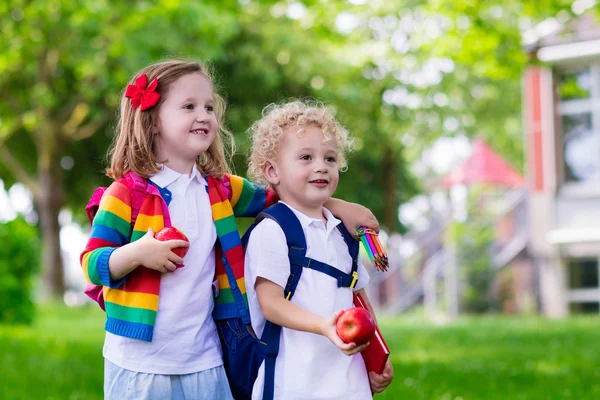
328	330
158	255
380	382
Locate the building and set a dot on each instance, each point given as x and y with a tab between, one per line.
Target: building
561	110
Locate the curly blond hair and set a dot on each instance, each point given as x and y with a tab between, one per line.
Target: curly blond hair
132	148
266	133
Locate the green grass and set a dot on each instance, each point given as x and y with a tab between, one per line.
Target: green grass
60	357
494	358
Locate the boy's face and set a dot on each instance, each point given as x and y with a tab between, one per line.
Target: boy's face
305	172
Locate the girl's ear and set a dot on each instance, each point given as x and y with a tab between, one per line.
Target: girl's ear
269	171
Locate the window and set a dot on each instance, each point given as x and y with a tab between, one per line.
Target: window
583	282
578	91
583	274
584	308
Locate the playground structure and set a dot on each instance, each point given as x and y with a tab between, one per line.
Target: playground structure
424	267
547	231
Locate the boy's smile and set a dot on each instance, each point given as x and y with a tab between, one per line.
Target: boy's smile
305	172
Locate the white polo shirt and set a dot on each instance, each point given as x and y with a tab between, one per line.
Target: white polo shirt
308	366
185	336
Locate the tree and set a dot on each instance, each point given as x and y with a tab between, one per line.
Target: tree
62	67
401	75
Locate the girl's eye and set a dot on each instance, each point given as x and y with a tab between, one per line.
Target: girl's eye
189	106
305	157
331	159
210	108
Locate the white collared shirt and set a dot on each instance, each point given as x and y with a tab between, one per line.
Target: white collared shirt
308	366
185	337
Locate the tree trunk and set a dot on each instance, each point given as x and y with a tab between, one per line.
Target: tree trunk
390	200
49	202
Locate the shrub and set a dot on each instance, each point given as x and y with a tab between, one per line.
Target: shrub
19	262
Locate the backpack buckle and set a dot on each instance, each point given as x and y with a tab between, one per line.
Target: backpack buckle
354	279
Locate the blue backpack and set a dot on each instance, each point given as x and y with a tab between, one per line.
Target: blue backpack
243	352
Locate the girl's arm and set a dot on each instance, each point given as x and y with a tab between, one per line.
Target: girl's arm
145	251
108	256
111	229
282	312
248	199
352	215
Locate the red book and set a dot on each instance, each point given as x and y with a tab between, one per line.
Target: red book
377	353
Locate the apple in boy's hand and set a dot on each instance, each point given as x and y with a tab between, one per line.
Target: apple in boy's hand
355	325
172	233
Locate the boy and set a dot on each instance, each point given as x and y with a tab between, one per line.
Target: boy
298	149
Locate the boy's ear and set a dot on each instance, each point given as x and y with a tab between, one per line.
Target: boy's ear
270	173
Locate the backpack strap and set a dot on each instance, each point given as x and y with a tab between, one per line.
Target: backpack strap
138	188
353	248
296	242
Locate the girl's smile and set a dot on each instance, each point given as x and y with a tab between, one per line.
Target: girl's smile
187	122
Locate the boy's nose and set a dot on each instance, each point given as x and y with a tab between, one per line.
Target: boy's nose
321	166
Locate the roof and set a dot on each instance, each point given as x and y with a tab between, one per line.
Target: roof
484	166
552	41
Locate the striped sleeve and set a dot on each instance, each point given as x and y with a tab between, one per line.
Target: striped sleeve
247	198
111	229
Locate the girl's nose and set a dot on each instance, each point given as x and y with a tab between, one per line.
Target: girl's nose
202	115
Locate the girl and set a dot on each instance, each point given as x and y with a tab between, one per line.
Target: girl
170	147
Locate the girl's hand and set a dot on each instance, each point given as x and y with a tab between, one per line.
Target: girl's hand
353	216
380	382
158	255
328	330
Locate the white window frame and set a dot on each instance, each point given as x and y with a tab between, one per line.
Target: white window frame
575	107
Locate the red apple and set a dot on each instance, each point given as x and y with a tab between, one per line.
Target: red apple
355	325
172	233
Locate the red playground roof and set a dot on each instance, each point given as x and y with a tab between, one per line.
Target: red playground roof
484	166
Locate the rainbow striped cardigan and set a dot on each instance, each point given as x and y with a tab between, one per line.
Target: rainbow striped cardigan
132	302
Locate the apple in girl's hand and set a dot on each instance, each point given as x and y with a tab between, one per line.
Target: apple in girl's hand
172	233
355	325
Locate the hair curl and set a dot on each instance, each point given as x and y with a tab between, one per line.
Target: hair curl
266	133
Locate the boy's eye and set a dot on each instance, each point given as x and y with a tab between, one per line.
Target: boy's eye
305	157
189	106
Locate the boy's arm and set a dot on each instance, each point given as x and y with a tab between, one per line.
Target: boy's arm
363	294
282	312
111	229
378	382
267	271
352	215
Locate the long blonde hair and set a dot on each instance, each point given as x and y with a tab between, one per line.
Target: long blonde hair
132	147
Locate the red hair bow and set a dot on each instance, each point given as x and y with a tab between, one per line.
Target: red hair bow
142	95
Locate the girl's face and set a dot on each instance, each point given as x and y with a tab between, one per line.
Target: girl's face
187	124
